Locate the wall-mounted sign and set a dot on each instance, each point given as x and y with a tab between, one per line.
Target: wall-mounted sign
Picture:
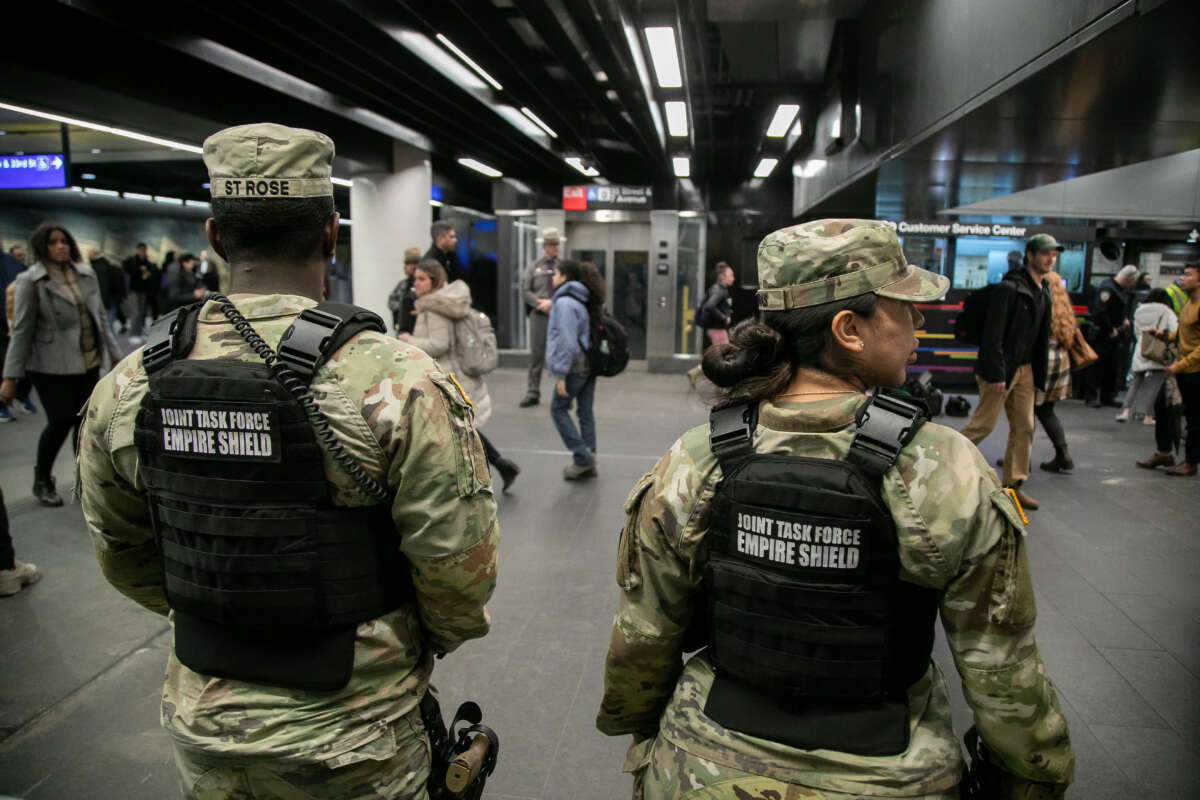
988	230
593	197
36	171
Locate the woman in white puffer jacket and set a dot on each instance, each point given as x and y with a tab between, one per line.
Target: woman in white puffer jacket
439	305
1155	314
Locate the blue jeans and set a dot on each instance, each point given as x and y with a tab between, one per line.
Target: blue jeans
580	441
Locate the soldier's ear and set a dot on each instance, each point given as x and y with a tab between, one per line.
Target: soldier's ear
847	331
214	238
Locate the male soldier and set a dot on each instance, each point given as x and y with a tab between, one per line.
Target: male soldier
1012	358
403	299
442	250
308	595
538	290
1110	329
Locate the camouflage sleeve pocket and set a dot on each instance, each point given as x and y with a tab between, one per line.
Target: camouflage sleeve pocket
628	574
472	473
1011	601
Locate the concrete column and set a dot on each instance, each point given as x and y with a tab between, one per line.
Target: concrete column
390	212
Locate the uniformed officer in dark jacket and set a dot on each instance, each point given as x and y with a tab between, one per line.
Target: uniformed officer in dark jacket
402	301
1110	330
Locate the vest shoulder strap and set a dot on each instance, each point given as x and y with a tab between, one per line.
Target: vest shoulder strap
318	333
731	433
172	336
886	423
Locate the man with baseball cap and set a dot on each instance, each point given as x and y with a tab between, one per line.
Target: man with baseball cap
1013	350
403	299
242	473
538	289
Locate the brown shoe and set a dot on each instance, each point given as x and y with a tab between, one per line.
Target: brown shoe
1027	502
1184	470
1158	460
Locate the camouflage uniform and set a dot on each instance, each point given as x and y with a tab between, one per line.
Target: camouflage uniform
406	422
958	533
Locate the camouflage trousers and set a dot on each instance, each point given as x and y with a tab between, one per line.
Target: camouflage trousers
669	773
398	775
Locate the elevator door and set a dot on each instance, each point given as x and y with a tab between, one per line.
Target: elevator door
621	251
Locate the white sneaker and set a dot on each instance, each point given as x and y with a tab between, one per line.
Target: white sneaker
136	340
1148	420
1123	416
21	575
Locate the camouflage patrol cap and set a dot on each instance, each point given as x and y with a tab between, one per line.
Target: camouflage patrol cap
832	259
265	160
412	254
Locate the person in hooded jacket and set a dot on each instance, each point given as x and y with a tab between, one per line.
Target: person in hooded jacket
578	293
1154	314
438	306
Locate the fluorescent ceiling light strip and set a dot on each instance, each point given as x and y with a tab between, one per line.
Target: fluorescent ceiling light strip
94	126
784	114
345	221
537	121
341	182
665	57
577	163
765	167
101	192
435	203
682	166
137	196
467	60
677	118
479	166
175	201
196	203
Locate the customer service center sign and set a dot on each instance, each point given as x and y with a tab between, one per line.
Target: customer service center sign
989	230
594	197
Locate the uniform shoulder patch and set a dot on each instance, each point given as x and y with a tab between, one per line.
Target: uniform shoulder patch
1105	295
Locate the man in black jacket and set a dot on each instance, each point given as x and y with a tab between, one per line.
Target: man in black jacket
143	286
445	240
1109	335
112	284
1012	358
403	299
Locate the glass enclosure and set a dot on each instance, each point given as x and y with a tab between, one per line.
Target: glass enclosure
524	252
689	283
630	274
980	261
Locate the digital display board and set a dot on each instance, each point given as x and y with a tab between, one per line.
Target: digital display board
33	171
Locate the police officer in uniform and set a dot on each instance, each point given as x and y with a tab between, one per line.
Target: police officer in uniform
403	299
807	539
538	291
239	473
1110	331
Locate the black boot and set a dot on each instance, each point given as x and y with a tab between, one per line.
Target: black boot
508	472
45	493
1061	462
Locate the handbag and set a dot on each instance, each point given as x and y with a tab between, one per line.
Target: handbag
1157	350
1081	353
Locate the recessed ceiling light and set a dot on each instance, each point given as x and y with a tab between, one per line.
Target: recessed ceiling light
682	166
88	176
665	57
765	167
467	60
676	117
479	166
784	114
95	150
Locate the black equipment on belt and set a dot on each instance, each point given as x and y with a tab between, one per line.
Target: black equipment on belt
813	637
461	759
268	578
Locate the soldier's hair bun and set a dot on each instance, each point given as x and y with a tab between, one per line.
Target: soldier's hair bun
753	351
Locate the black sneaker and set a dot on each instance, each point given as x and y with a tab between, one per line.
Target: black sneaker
529	400
508	472
46	494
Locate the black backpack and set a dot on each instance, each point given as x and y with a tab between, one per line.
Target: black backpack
968	327
609	350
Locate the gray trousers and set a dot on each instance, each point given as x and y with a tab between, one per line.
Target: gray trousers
538	323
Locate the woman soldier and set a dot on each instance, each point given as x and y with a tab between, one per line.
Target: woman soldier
809	556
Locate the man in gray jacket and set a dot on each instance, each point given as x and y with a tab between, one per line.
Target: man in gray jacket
538	291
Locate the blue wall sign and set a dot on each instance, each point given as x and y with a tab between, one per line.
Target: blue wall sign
36	171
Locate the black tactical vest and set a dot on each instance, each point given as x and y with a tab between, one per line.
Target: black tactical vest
813	636
267	578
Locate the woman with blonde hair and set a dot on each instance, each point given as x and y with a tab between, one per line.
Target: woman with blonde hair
1058	373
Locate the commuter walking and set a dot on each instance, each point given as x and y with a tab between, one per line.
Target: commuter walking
802	545
15	574
715	314
1153	315
112	285
1012	358
365	529
1063	329
143	285
439	306
60	340
402	300
1110	330
444	250
10	268
578	296
1185	370
537	288
183	285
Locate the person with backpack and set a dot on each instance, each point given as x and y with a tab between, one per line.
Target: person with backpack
1014	344
782	568
441	310
578	295
715	313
